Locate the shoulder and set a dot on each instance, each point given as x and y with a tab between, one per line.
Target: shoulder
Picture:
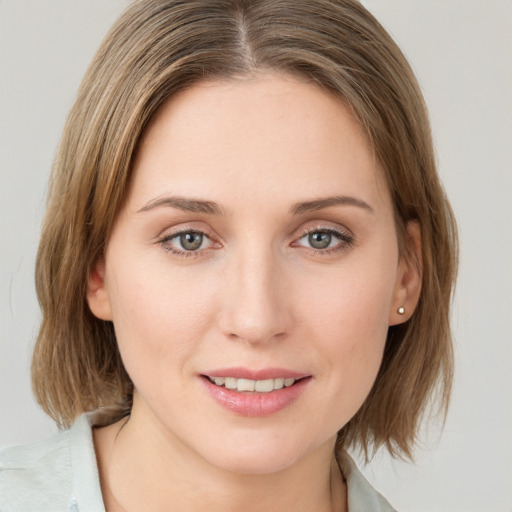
59	474
361	495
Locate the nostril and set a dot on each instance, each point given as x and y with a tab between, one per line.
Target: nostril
254	317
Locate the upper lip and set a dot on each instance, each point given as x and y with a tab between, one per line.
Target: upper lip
263	374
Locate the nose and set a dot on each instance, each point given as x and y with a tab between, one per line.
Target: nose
256	306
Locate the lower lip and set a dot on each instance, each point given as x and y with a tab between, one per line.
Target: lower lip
255	404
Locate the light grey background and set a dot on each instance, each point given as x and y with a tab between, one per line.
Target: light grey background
461	51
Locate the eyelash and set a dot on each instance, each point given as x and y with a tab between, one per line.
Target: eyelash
345	240
163	242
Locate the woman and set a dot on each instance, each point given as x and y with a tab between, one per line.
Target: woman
237	269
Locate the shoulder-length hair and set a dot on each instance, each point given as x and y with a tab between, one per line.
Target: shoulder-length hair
159	47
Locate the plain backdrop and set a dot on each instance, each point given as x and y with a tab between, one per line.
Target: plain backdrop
461	51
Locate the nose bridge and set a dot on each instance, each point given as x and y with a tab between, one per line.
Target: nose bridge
255	308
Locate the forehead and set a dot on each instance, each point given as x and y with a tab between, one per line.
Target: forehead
271	130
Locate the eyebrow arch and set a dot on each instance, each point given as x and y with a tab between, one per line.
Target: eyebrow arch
185	204
319	204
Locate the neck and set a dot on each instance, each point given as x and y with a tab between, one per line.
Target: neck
143	467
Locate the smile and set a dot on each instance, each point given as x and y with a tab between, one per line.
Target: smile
255	393
249	385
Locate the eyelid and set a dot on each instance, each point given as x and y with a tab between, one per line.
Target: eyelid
169	234
311	227
345	236
188	227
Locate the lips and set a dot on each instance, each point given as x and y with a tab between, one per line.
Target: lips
263	374
255	393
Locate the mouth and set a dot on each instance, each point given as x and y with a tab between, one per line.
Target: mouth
253	386
249	392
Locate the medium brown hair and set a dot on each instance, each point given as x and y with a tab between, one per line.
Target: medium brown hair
159	47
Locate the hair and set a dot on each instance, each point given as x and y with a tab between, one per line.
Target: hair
159	47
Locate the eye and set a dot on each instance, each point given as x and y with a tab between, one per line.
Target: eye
320	239
186	243
325	239
190	241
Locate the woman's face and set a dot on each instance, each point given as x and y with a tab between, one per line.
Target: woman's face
257	249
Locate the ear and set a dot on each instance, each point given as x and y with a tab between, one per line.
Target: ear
97	293
408	282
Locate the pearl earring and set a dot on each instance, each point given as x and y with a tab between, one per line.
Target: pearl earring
401	310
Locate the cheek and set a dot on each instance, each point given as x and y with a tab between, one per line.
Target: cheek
349	321
158	318
352	305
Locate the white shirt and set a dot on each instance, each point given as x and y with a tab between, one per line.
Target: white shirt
61	475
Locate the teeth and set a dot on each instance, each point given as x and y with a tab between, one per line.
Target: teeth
245	385
231	383
264	386
260	386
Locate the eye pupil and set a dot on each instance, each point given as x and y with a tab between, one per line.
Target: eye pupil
320	239
191	241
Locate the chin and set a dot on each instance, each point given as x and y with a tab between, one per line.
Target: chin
258	453
254	462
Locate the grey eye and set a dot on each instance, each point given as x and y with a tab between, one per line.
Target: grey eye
191	240
320	239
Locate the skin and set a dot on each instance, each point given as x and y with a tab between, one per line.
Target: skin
255	294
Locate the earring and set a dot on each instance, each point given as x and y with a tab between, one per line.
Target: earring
401	310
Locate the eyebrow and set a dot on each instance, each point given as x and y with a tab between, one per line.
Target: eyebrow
212	208
319	204
185	204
